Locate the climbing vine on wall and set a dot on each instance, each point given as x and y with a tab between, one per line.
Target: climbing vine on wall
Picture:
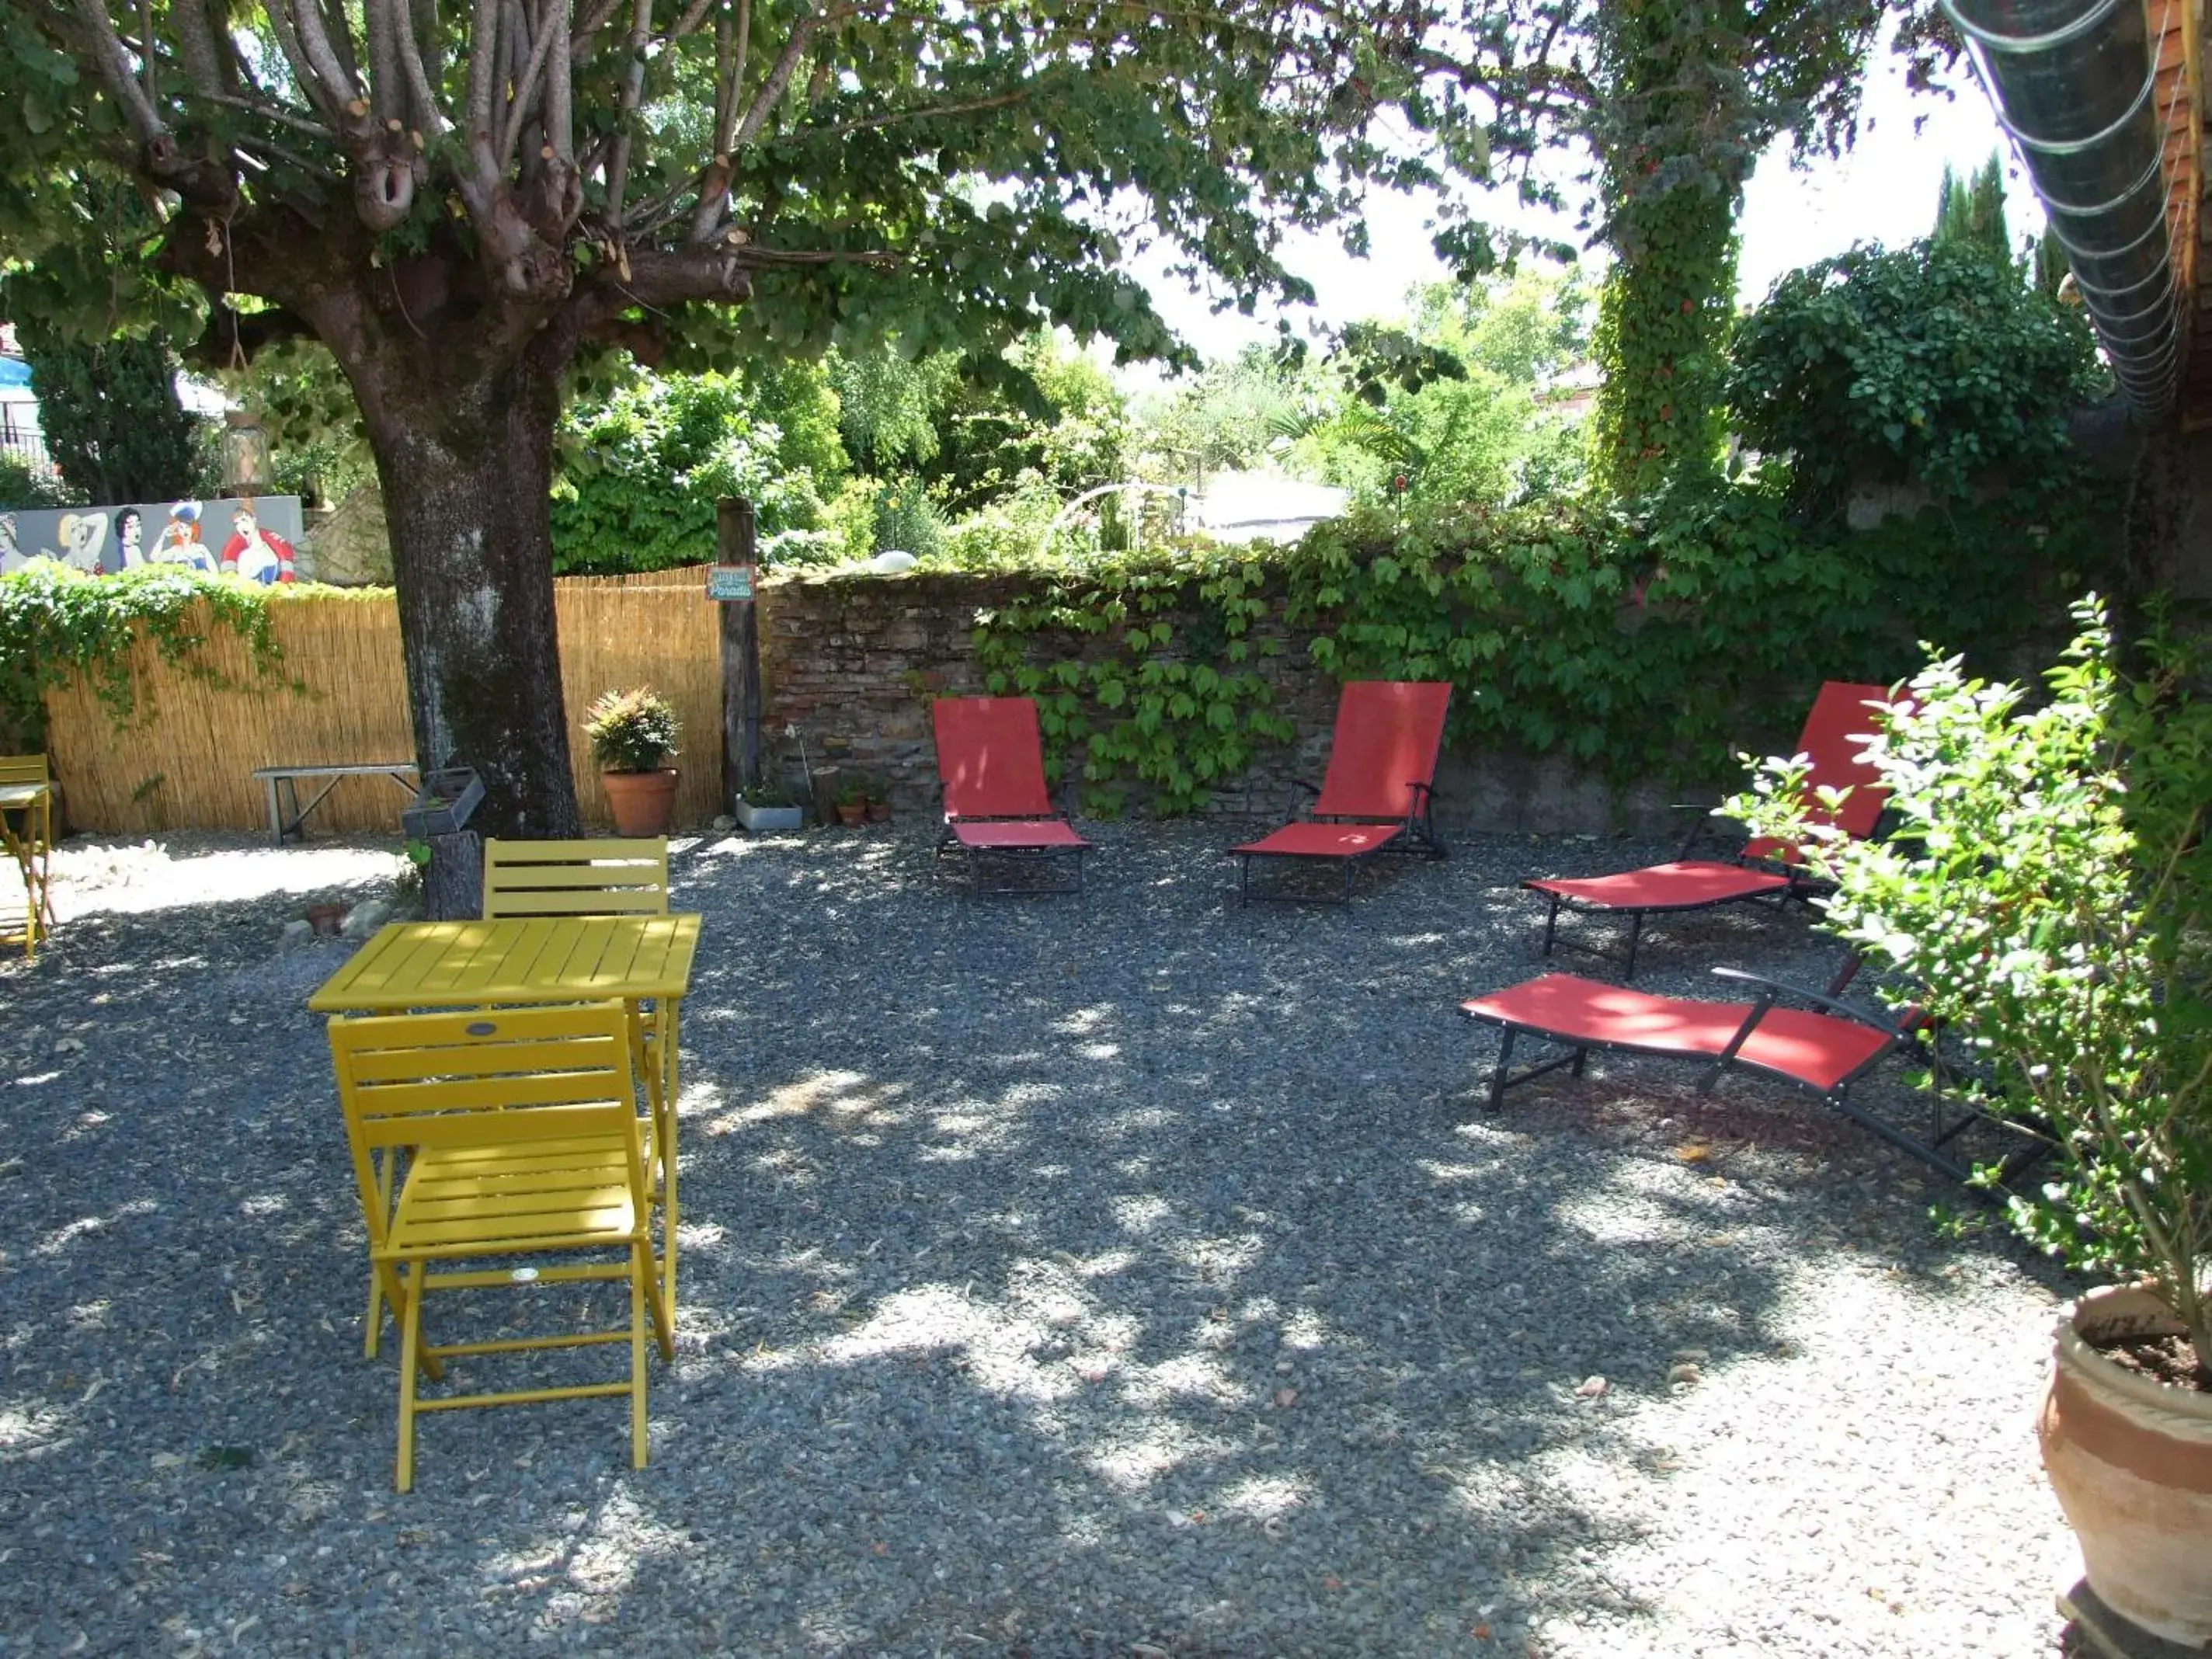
57	623
1649	640
1145	672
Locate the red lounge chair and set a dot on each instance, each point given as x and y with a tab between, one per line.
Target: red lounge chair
1833	742
1825	1047
1375	795
990	759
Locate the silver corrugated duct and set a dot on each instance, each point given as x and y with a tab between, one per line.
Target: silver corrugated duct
2072	83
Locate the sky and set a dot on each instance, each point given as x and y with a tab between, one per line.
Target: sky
1883	191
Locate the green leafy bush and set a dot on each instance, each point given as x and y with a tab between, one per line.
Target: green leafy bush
633	731
1932	364
643	467
22	485
2048	898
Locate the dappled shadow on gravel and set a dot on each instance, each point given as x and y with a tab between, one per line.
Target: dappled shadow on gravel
1061	1276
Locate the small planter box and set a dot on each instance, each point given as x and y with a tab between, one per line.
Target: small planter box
762	819
443	804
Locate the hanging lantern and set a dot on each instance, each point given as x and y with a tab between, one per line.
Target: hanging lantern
245	454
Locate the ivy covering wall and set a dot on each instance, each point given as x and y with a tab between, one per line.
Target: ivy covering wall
1655	640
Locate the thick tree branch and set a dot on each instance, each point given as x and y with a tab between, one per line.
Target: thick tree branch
112	64
295	59
429	118
339	30
1002	102
560	85
387	89
338	86
484	76
148	57
729	69
526	90
230	339
196	48
779	77
277	112
231	72
687	23
580	38
633	93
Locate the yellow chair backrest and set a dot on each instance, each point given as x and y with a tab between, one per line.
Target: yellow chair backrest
626	878
490	1076
24	769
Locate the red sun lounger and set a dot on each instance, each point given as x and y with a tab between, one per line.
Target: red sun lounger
1833	741
1375	795
990	760
1824	1047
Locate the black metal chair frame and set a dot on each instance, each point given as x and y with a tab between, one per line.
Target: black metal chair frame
1800	889
1907	1035
1780	897
1416	838
1024	857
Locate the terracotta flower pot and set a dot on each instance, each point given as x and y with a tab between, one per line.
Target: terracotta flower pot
879	812
851	813
2131	1462
642	801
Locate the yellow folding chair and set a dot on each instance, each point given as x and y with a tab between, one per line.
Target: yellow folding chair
615	878
619	877
26	831
516	1134
575	878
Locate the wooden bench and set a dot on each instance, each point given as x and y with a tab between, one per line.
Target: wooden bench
288	819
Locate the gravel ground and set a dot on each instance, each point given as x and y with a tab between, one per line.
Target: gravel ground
1135	1275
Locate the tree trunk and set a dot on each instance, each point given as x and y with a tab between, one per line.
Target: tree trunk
464	451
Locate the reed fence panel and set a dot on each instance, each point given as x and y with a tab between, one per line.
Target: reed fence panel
185	758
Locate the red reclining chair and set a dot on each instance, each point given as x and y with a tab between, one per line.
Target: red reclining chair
990	759
1825	1047
1833	741
1377	794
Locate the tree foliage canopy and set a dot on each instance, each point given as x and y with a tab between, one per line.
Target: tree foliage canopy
1932	363
110	414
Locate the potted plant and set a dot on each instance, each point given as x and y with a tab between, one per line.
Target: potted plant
2048	896
762	807
879	801
853	802
633	737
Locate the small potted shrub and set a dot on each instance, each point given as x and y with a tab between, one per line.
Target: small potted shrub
762	807
853	802
879	801
2047	897
633	737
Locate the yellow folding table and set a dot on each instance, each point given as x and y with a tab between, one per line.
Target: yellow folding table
537	959
26	832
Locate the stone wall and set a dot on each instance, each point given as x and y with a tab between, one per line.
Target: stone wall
853	660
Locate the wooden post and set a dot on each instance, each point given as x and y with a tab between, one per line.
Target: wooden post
741	684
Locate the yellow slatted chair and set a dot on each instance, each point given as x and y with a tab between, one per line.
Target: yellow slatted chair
28	832
622	876
516	1133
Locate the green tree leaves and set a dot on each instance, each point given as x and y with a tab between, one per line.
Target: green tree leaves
1933	364
113	422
